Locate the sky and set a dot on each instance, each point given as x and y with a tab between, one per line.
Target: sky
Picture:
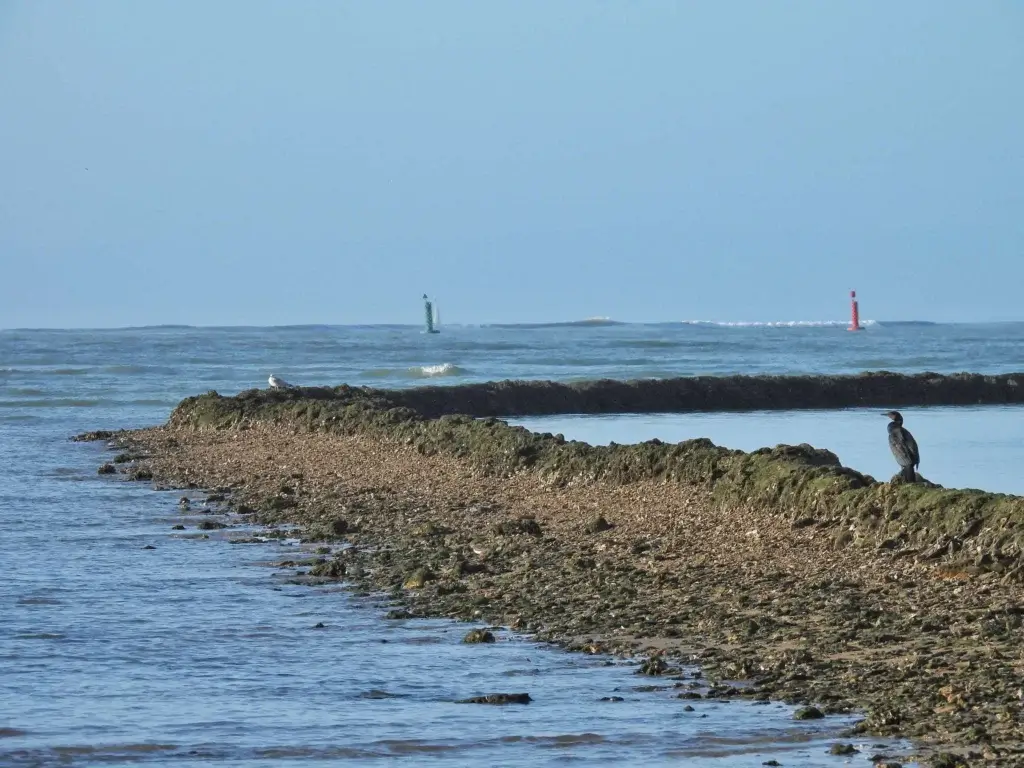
248	162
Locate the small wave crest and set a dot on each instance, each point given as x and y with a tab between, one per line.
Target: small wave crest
775	323
417	372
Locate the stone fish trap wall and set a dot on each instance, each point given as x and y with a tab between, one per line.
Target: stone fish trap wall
979	530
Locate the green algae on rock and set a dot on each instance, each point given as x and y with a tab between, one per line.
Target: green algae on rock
805	483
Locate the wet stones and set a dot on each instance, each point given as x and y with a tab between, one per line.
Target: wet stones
88	437
106	469
478	636
210	525
332	569
498	698
140	473
948	760
808	713
843	749
653	666
418	578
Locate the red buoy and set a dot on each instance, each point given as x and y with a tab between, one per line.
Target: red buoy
854	313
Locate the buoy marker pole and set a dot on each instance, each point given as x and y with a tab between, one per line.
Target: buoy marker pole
428	309
854	313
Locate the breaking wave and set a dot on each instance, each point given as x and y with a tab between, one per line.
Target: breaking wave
418	372
776	323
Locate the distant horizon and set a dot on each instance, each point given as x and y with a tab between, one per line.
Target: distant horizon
592	322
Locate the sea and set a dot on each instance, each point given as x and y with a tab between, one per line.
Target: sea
125	642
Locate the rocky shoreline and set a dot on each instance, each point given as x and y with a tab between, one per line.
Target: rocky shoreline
781	573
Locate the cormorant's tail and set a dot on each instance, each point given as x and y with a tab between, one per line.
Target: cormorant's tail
909	474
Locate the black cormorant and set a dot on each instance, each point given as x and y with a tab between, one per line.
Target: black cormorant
903	446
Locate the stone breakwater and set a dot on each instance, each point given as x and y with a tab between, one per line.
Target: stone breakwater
808	581
700	393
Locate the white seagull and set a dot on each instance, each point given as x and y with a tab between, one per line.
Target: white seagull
276	383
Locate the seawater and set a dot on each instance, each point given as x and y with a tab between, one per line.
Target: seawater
125	642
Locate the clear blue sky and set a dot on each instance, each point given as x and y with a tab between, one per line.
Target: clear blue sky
247	162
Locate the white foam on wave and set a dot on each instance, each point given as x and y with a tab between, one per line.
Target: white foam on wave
444	369
776	323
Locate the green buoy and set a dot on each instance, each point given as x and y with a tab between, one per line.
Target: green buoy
428	309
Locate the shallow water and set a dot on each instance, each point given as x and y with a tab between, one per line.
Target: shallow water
196	653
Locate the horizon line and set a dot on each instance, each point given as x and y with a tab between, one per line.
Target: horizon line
589	322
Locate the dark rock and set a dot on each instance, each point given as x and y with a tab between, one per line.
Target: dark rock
498	698
140	474
319	625
282	502
178	527
689	695
611	698
688	708
418	578
88	437
808	713
773	763
339	526
948	760
655	665
106	469
149	546
210	525
478	636
526	525
465	568
332	569
598	524
122	458
398	613
843	749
